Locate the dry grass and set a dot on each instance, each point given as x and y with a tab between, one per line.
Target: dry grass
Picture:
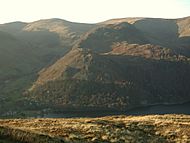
153	128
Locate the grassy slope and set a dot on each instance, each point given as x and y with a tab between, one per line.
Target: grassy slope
152	128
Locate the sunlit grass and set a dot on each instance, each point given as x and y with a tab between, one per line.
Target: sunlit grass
152	128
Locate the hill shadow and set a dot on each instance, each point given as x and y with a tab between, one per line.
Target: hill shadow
164	32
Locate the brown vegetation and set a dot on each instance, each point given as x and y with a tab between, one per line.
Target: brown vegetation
152	128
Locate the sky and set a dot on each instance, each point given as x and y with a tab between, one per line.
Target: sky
90	11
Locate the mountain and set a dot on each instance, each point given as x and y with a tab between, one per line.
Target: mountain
116	64
120	66
26	48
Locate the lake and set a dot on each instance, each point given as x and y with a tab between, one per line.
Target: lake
153	109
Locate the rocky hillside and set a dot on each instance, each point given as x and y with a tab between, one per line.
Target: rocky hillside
113	129
146	51
120	66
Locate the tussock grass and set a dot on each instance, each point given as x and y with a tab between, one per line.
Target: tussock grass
152	128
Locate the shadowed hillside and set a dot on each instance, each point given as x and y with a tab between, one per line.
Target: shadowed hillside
26	48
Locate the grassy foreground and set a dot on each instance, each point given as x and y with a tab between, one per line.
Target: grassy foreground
152	128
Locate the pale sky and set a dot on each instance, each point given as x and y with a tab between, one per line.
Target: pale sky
90	11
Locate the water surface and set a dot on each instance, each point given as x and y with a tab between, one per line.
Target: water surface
153	109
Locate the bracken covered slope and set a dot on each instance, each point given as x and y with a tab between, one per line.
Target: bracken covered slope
113	129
